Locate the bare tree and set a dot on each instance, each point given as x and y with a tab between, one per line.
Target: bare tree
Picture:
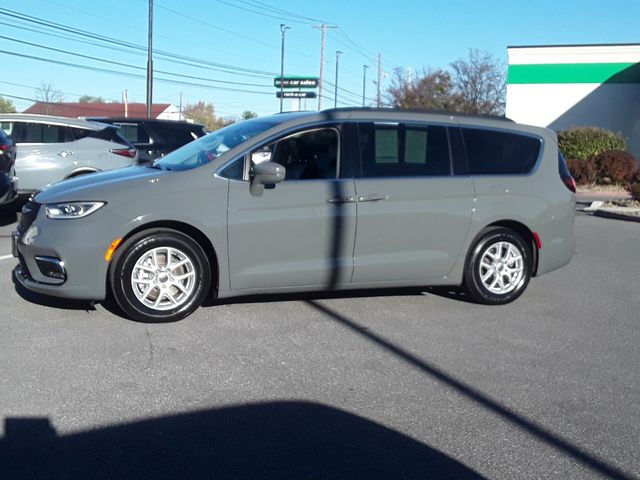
48	94
480	83
432	90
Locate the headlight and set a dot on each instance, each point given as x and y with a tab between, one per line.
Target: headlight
72	209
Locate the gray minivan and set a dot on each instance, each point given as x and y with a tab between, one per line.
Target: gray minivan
307	201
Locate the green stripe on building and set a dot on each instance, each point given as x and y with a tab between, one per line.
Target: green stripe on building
575	73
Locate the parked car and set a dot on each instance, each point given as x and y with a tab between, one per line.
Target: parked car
51	148
340	199
8	189
155	138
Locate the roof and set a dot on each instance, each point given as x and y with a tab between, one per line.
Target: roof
403	111
75	109
53	119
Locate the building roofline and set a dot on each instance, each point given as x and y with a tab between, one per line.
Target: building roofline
576	45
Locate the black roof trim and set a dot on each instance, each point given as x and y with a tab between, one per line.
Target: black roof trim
143	119
421	110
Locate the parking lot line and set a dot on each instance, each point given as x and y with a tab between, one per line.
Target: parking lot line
5	257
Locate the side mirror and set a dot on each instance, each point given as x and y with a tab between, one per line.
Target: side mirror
266	174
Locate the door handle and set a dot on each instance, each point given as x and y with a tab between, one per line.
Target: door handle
372	197
65	153
338	200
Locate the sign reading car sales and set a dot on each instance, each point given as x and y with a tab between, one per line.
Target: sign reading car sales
297	94
296	82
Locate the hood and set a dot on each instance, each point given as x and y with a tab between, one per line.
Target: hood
103	186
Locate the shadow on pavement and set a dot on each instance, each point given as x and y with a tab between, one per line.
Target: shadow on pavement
280	440
319	295
7	218
535	430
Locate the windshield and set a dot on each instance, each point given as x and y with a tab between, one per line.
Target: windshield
211	146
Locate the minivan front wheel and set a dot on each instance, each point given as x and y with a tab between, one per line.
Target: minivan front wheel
160	275
499	267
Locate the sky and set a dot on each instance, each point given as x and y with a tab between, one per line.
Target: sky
227	52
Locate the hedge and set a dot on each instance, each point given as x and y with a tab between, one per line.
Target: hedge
582	143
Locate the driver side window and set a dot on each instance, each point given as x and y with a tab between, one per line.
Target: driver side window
308	155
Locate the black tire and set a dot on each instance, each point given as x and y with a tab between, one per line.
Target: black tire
497	281
128	268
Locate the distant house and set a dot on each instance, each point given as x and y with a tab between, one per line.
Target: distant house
163	111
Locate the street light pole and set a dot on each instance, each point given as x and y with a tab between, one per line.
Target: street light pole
335	97
150	61
364	82
283	28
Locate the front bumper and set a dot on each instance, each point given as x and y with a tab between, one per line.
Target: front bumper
65	258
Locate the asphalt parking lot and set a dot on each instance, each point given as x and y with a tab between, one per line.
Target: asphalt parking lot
392	384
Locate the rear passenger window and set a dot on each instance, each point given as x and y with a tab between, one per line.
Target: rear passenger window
27	132
492	152
133	132
404	151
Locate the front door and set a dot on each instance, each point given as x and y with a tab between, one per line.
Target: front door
301	232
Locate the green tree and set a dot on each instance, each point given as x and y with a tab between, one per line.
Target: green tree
90	99
248	114
204	113
7	106
479	83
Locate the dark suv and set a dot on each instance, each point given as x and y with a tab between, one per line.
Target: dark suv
155	138
7	174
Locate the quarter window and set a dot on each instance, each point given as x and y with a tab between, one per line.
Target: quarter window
493	152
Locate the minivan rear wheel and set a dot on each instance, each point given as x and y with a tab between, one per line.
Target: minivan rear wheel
499	267
160	275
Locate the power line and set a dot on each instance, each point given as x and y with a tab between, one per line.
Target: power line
121	64
114	41
130	75
257	12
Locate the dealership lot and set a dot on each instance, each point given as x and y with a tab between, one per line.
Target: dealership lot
393	384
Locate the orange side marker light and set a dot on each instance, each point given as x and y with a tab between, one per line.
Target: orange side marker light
112	249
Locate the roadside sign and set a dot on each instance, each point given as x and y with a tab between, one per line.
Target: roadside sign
296	82
290	94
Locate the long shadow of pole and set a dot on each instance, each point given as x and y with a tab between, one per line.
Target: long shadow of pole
534	429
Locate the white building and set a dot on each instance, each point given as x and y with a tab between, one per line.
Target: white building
563	86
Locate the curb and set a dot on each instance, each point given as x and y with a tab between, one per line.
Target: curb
616	216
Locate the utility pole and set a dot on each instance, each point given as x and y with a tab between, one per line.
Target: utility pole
378	98
364	82
180	108
323	29
150	61
335	94
125	100
283	29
